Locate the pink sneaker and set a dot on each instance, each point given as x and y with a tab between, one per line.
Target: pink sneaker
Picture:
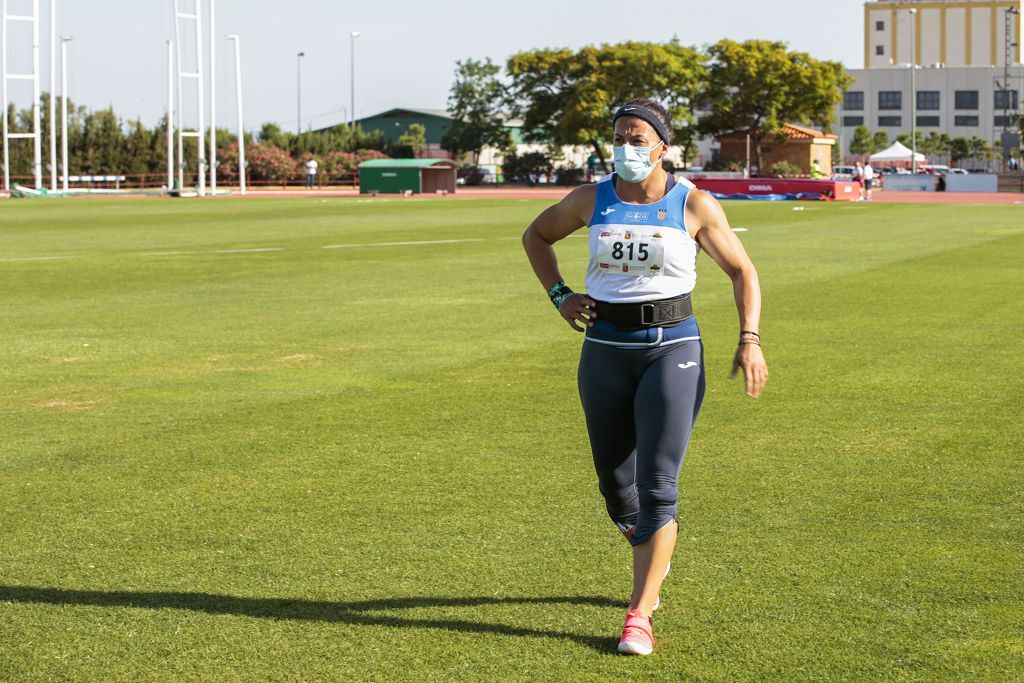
637	635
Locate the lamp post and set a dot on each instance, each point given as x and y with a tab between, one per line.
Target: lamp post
170	115
913	91
1011	12
1007	139
352	45
298	67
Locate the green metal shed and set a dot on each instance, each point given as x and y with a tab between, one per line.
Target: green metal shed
395	176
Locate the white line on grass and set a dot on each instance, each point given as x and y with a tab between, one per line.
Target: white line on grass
262	250
245	251
400	244
37	258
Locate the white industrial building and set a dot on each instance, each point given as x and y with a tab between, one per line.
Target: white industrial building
966	57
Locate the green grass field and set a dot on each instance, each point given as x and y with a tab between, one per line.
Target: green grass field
368	463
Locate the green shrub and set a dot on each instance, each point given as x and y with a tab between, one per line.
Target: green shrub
783	169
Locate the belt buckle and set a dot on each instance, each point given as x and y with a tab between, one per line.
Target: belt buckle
646	319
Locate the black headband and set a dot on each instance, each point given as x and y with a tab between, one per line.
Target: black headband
645	114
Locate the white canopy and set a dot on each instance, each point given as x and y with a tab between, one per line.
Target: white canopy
898	152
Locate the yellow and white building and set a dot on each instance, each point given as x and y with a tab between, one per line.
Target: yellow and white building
958	51
953	33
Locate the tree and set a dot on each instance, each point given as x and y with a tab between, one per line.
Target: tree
411	143
758	86
981	150
880	140
271	134
138	150
996	153
862	144
936	144
569	98
475	103
527	167
959	149
103	150
904	139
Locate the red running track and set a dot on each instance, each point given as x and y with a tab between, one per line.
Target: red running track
557	193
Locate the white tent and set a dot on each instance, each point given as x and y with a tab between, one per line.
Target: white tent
898	152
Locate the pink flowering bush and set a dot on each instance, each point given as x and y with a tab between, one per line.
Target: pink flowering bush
266	162
346	164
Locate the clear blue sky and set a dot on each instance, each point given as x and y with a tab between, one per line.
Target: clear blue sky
407	51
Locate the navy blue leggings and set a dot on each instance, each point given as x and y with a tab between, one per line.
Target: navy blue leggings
640	405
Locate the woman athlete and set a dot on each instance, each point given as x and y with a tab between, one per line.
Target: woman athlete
641	372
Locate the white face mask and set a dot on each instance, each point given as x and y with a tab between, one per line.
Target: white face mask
633	164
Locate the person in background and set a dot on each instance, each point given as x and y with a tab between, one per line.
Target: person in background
816	173
869	181
858	177
311	168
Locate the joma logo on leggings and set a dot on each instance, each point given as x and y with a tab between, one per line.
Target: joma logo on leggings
687	365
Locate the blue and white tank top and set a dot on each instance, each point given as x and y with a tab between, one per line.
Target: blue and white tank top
640	252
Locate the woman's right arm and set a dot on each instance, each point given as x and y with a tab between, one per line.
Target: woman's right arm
553	224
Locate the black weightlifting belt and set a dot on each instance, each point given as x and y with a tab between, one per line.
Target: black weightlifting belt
662	313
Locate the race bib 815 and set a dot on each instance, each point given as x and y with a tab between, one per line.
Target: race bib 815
637	252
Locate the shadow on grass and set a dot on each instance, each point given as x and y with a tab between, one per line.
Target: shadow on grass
363	613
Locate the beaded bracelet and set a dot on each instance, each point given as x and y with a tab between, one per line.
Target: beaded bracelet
749	337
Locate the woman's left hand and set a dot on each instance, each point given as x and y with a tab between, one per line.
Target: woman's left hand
750	358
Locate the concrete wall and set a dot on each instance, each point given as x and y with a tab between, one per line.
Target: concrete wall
920	182
973	182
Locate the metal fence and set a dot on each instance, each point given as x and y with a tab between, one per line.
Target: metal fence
155	181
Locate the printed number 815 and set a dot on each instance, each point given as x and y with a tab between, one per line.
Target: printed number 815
619	250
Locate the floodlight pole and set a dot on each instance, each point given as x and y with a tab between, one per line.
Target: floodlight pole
1008	49
170	115
64	40
841	126
213	97
746	167
298	82
180	109
1011	13
53	95
913	91
238	99
37	141
352	44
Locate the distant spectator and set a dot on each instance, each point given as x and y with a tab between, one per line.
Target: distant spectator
869	181
858	177
816	170
311	167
